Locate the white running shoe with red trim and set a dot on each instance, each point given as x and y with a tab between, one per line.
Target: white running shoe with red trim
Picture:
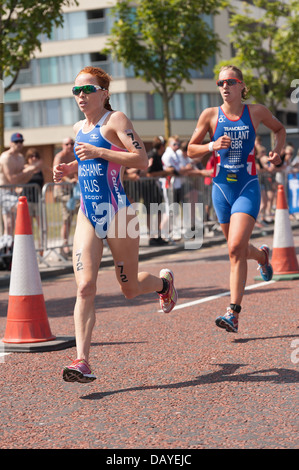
170	298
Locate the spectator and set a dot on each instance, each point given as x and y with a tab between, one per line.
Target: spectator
33	194
268	173
13	172
284	167
288	158
63	193
171	185
295	162
191	169
154	192
171	158
207	187
266	177
189	166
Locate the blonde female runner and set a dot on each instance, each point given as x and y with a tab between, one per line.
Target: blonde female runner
236	192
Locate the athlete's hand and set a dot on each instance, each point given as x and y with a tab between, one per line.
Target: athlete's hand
274	158
223	142
85	151
59	171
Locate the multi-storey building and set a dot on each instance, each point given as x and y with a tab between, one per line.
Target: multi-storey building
41	106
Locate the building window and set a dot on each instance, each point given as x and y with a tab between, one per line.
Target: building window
292	119
204	101
176	111
158	106
32	115
139	105
70	113
189	104
12	115
119	102
76	25
79	25
64	69
12	96
52	112
100	60
49	71
96	22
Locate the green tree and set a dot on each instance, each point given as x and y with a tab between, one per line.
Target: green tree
21	24
164	40
266	49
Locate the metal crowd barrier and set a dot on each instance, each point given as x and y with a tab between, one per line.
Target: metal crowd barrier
54	209
9	195
60	203
180	200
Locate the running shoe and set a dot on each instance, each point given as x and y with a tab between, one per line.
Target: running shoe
78	371
266	269
170	298
228	321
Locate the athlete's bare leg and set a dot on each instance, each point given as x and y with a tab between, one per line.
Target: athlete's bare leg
87	254
237	234
123	240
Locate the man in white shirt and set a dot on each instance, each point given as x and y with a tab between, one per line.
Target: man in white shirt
172	158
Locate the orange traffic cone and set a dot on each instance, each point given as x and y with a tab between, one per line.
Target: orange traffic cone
284	260
27	321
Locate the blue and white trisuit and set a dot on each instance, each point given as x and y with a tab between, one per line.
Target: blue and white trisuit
235	182
102	192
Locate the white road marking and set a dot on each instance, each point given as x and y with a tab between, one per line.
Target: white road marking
217	296
198	301
2	355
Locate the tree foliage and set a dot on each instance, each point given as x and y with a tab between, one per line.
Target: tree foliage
21	24
163	40
266	47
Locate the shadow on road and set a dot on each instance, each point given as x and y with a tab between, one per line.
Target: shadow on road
257	338
227	373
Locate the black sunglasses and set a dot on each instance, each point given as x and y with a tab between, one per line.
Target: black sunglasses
18	141
87	89
228	81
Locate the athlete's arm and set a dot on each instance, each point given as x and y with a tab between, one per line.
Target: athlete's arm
261	114
205	124
61	170
120	131
64	169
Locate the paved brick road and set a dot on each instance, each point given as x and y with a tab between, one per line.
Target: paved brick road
164	381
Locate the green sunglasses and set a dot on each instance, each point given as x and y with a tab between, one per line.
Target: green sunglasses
87	89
